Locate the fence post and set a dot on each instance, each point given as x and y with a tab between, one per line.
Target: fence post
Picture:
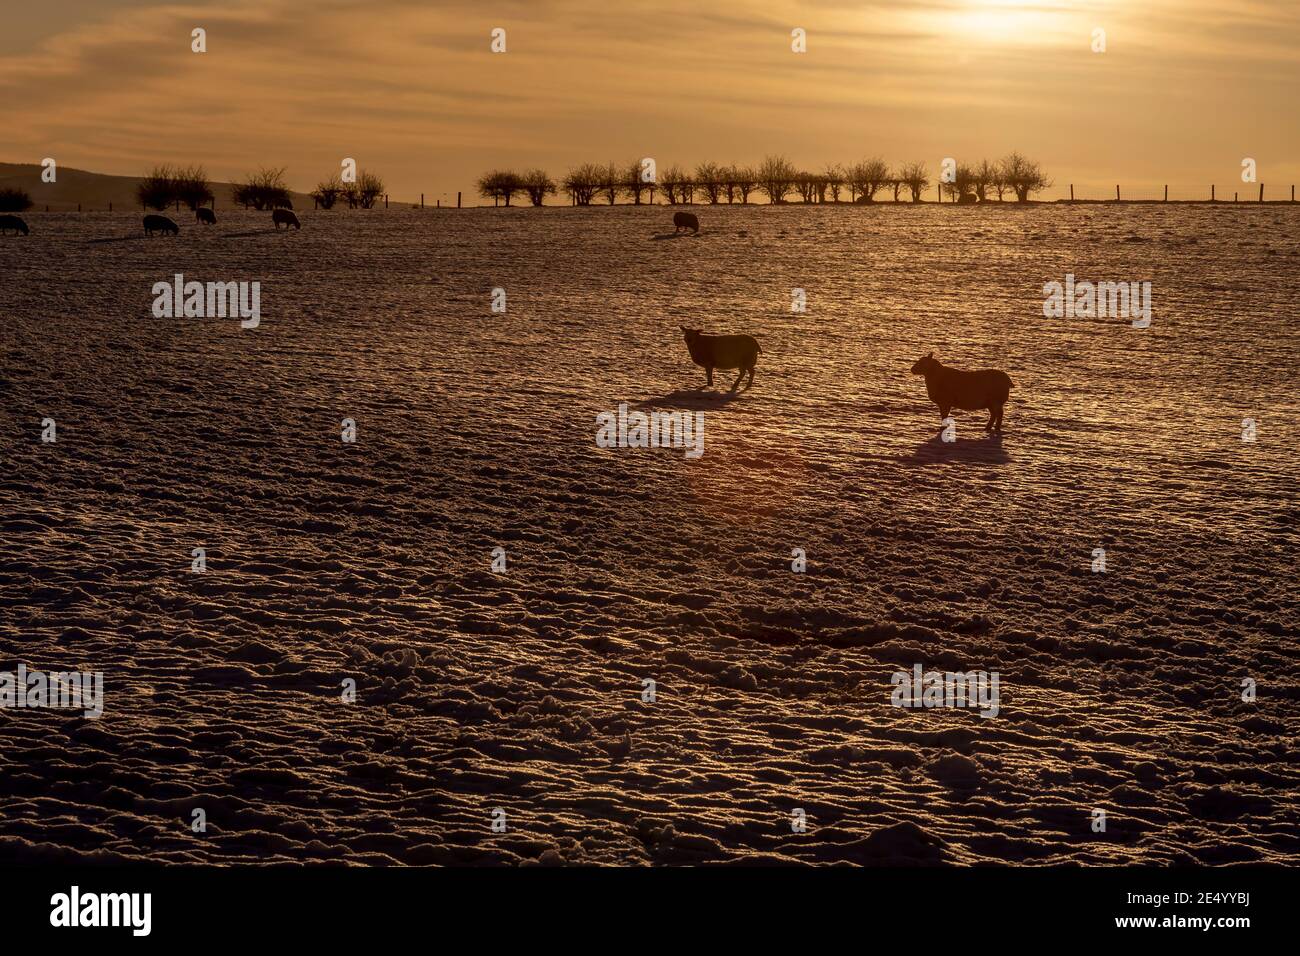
1166	194
1117	192
1261	192
110	205
421	200
1071	192
1211	193
457	200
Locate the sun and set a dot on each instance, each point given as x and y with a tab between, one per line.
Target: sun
1006	21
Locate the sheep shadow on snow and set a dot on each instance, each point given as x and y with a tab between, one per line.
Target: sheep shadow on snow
690	399
985	450
674	235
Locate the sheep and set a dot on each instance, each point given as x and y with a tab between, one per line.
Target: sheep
160	223
723	351
15	223
951	388
686	220
205	216
285	216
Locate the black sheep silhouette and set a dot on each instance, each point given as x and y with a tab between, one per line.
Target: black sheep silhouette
15	223
160	224
951	388
205	216
723	351
685	220
286	217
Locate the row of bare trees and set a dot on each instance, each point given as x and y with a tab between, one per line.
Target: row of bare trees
168	186
775	178
265	189
363	192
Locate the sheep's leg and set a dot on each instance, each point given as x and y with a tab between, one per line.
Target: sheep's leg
943	411
993	414
736	384
999	426
750	383
709	370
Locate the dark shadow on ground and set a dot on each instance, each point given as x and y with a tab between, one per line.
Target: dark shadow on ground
694	399
675	235
140	238
986	450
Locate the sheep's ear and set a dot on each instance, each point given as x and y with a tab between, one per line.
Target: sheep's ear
929	355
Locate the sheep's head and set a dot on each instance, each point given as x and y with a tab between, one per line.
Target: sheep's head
689	335
925	364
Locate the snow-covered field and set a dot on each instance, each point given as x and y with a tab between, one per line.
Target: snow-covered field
522	691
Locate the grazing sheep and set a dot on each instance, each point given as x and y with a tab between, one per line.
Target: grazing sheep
160	223
951	388
205	216
723	351
285	216
13	222
685	220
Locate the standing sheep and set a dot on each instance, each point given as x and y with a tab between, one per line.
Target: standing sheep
205	216
951	388
13	222
723	351
686	220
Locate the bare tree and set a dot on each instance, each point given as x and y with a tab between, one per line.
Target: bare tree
916	178
708	177
999	181
633	183
538	185
867	177
962	187
192	186
157	190
834	176
671	182
368	187
746	178
14	199
776	178
582	183
498	185
805	184
983	176
264	189
328	191
728	176
1023	176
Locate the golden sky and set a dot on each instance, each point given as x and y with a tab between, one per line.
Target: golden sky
410	88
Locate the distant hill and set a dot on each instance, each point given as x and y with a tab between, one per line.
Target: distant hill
94	191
